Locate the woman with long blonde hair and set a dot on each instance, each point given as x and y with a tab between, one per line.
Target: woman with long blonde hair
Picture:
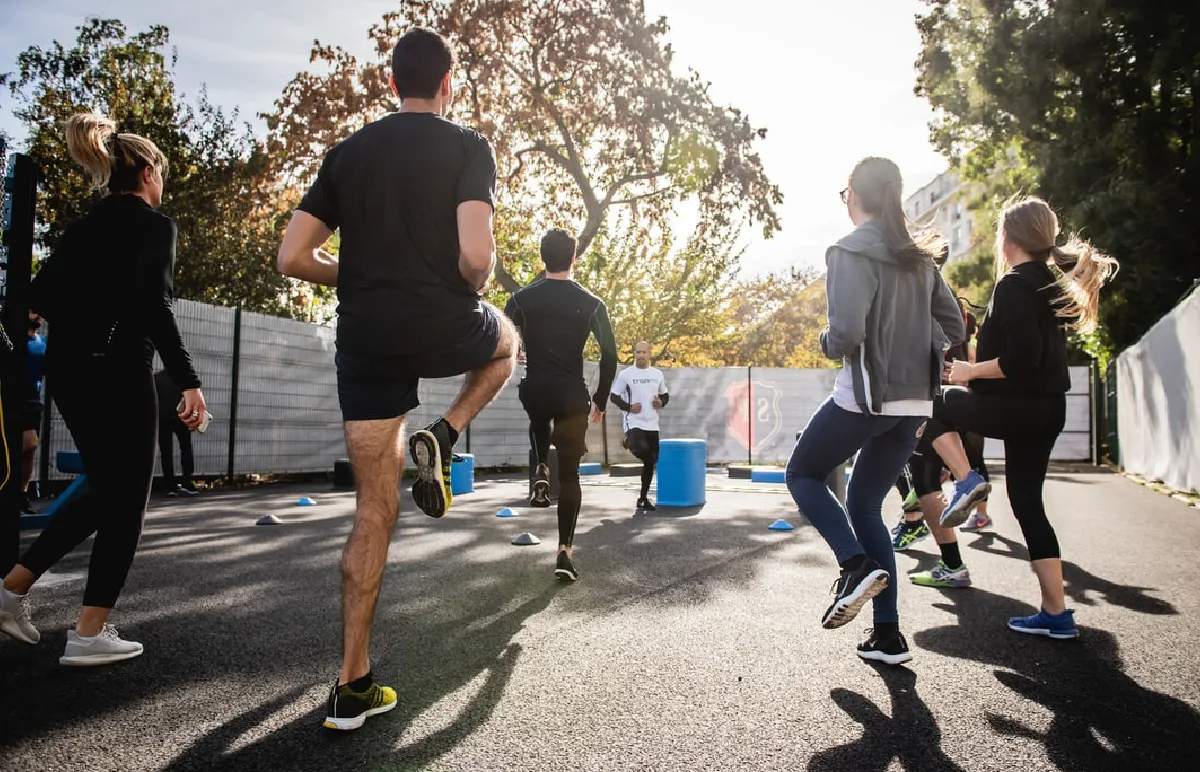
1016	389
107	292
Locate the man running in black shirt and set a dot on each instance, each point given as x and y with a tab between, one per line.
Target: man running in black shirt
412	196
555	316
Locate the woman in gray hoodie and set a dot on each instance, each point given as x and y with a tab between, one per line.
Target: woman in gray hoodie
891	317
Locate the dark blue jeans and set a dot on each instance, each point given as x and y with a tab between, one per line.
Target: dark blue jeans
884	444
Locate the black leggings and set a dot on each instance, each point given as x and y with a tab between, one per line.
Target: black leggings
1029	426
169	428
115	438
555	417
926	466
643	445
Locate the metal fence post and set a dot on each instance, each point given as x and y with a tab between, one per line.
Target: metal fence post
233	390
750	416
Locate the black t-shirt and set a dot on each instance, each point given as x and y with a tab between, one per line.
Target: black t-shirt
555	317
1023	330
392	190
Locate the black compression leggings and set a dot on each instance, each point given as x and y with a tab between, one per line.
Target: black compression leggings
644	446
1029	426
170	428
569	437
115	438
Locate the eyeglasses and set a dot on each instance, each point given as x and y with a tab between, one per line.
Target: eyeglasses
845	195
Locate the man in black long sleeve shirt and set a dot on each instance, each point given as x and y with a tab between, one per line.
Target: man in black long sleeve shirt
555	316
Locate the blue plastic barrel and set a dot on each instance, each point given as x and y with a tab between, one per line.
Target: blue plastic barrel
462	474
681	469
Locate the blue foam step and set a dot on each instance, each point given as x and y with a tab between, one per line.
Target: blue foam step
591	467
768	475
69	462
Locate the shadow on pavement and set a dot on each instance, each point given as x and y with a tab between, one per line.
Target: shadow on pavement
1103	721
910	735
1078	582
216	599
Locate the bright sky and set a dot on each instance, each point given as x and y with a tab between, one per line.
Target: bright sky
832	80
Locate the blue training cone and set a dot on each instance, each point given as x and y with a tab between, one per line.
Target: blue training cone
306	502
781	525
506	512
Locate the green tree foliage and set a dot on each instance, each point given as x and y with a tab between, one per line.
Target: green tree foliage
1098	99
220	187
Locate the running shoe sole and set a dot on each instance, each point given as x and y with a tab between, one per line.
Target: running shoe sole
565	575
1058	636
977	528
98	659
884	657
429	491
846	609
541	494
354	722
944	585
953	518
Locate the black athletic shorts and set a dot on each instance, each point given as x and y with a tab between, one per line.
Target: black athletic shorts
31	417
378	387
642	444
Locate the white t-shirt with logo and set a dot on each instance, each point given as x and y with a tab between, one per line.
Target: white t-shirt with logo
636	385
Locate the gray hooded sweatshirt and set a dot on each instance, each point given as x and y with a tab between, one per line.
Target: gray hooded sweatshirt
890	326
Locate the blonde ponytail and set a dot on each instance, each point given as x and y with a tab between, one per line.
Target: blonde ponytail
113	161
1084	272
88	141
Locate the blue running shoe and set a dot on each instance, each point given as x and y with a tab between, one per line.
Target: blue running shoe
1060	626
967	493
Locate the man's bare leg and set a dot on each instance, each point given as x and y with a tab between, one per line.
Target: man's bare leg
481	386
376	450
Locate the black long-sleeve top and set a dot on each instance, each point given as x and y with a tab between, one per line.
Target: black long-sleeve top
555	318
1023	330
108	287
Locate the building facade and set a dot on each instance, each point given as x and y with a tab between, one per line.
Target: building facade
942	205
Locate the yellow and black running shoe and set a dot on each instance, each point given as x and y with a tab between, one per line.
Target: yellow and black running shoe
349	709
432	451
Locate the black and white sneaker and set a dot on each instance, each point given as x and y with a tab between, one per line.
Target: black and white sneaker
432	451
851	592
892	651
541	488
644	505
564	569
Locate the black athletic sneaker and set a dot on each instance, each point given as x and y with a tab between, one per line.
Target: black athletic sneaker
432	450
349	709
564	569
851	592
644	505
892	651
541	488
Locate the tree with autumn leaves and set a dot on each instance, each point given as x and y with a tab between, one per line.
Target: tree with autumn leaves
594	131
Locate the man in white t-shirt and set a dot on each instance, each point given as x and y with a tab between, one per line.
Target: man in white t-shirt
640	392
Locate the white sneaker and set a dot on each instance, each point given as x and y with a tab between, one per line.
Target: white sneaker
100	649
14	617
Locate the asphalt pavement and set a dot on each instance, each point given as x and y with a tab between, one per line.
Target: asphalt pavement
691	642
